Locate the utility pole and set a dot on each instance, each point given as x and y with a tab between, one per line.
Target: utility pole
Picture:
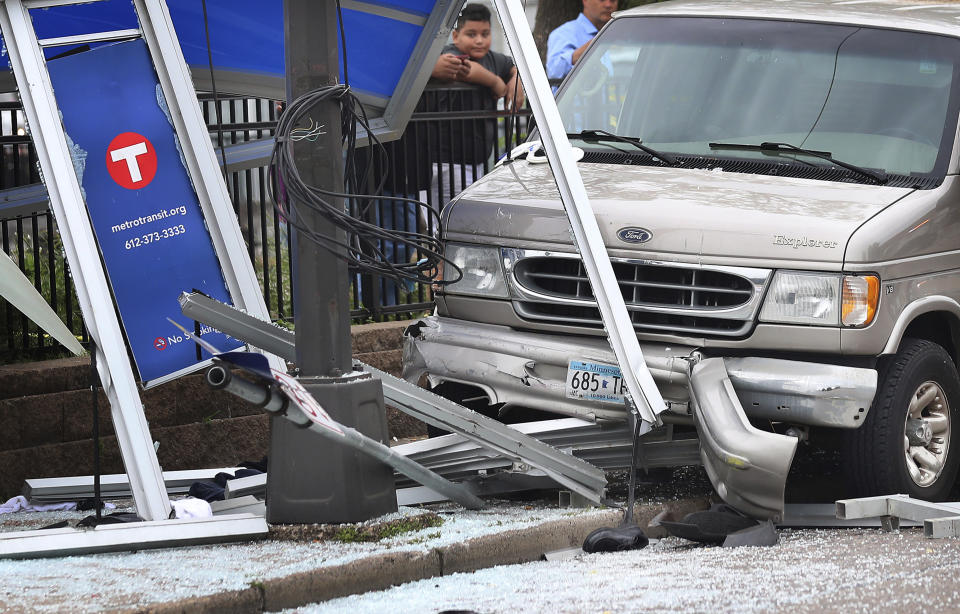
321	281
310	479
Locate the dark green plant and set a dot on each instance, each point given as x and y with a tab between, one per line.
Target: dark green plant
387	530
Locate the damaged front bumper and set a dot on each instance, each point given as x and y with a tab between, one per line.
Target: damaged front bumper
528	369
747	466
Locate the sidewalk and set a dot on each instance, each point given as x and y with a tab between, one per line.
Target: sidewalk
299	565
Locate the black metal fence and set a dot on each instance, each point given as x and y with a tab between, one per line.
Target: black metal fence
421	165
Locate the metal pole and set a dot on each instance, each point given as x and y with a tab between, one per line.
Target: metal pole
96	429
321	281
587	237
312	480
275	402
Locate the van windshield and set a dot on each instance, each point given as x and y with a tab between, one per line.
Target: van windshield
878	99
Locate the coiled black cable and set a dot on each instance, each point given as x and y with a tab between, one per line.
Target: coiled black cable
365	245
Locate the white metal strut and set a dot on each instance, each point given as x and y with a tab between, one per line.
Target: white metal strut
66	199
93	290
587	237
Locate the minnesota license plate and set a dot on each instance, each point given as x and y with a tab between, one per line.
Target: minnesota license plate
593	381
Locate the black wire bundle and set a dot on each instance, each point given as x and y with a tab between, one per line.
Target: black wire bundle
366	243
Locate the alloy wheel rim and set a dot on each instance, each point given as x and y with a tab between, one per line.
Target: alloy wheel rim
928	416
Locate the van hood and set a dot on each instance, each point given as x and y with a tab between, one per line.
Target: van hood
689	214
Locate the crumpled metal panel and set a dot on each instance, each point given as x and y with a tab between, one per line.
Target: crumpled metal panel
747	467
528	369
809	393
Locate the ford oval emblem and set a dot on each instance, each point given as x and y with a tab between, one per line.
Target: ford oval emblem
634	235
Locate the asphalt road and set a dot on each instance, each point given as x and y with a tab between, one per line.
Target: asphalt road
837	570
810	570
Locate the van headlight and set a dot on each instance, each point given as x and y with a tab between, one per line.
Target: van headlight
821	299
481	269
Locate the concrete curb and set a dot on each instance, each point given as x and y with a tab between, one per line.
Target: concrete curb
522	545
385	570
227	602
370	574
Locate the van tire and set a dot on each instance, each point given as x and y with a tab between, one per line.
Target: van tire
878	458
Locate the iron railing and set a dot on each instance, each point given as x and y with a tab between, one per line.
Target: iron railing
28	231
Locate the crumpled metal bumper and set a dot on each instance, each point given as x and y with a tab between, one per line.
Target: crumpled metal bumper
530	369
747	467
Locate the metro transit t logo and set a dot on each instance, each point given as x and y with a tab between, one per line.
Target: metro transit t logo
131	160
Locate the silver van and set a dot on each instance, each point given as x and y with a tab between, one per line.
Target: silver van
776	183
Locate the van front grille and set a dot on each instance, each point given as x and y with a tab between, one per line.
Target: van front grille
660	298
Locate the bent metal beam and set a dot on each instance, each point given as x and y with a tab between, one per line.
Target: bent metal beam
589	242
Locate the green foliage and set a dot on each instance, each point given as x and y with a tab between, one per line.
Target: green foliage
33	258
349	534
281	267
211	417
287	324
424	538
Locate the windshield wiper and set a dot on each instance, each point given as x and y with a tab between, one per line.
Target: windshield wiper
879	176
603	135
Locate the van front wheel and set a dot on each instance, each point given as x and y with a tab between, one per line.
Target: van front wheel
910	441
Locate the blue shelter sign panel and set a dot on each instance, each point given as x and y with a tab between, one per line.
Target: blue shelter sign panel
246	36
145	213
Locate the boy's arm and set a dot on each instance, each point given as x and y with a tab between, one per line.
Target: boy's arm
481	76
514	86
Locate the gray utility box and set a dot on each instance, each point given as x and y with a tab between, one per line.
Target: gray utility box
313	480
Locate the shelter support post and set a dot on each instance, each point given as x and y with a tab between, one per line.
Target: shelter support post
93	290
587	238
